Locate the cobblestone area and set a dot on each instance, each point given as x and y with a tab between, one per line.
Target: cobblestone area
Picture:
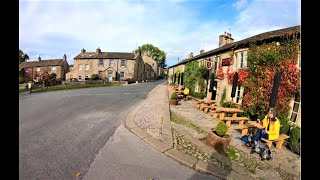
149	116
259	169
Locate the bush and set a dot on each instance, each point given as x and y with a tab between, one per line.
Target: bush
53	76
174	96
222	129
94	76
22	80
197	95
294	140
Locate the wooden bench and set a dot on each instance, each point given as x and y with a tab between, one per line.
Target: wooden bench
278	141
229	119
244	128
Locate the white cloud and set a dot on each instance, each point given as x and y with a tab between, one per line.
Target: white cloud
239	4
54	28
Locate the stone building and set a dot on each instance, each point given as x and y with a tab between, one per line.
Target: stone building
220	57
40	69
112	66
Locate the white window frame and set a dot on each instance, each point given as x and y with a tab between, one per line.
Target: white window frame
38	69
111	62
298	111
80	67
87	76
239	94
124	62
99	62
241	59
86	67
80	77
122	77
235	61
53	68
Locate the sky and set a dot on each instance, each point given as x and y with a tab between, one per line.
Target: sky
51	28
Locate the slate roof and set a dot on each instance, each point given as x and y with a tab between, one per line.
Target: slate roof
42	63
105	55
294	30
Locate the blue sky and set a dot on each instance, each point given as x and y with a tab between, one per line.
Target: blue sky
51	28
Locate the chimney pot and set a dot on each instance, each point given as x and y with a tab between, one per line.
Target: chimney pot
64	57
39	58
83	50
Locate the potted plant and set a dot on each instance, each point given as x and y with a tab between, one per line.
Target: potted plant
174	99
218	137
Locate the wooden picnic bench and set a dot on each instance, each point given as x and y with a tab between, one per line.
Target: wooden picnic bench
229	119
244	128
278	141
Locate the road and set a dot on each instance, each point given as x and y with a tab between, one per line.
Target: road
64	132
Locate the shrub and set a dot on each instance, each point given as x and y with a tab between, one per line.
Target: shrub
197	95
294	140
53	76
174	96
94	76
222	129
22	80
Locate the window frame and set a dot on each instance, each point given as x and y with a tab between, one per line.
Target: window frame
124	63
99	62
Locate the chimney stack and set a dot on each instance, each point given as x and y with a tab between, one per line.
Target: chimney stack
39	58
64	57
98	50
191	55
83	50
225	39
202	51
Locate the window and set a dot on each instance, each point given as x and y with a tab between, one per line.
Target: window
100	62
38	69
79	77
295	108
79	67
100	73
87	67
123	62
121	75
153	65
111	62
87	76
53	68
241	60
235	61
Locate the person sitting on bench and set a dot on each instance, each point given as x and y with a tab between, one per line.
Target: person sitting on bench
185	93
271	128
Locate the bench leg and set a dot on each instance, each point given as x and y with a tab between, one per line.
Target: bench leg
215	115
241	122
244	132
228	123
206	110
279	144
269	144
198	106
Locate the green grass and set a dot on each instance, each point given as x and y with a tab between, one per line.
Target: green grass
231	153
62	87
22	90
179	120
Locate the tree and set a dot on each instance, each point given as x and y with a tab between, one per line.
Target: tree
22	56
155	53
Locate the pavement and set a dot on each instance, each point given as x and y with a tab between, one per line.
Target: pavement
150	121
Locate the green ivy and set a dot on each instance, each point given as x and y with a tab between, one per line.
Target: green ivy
195	74
294	140
224	95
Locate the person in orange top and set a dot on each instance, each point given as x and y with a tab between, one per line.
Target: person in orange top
271	128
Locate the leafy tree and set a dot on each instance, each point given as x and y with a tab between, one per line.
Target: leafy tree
22	56
155	53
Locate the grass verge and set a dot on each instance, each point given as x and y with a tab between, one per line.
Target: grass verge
62	87
175	118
